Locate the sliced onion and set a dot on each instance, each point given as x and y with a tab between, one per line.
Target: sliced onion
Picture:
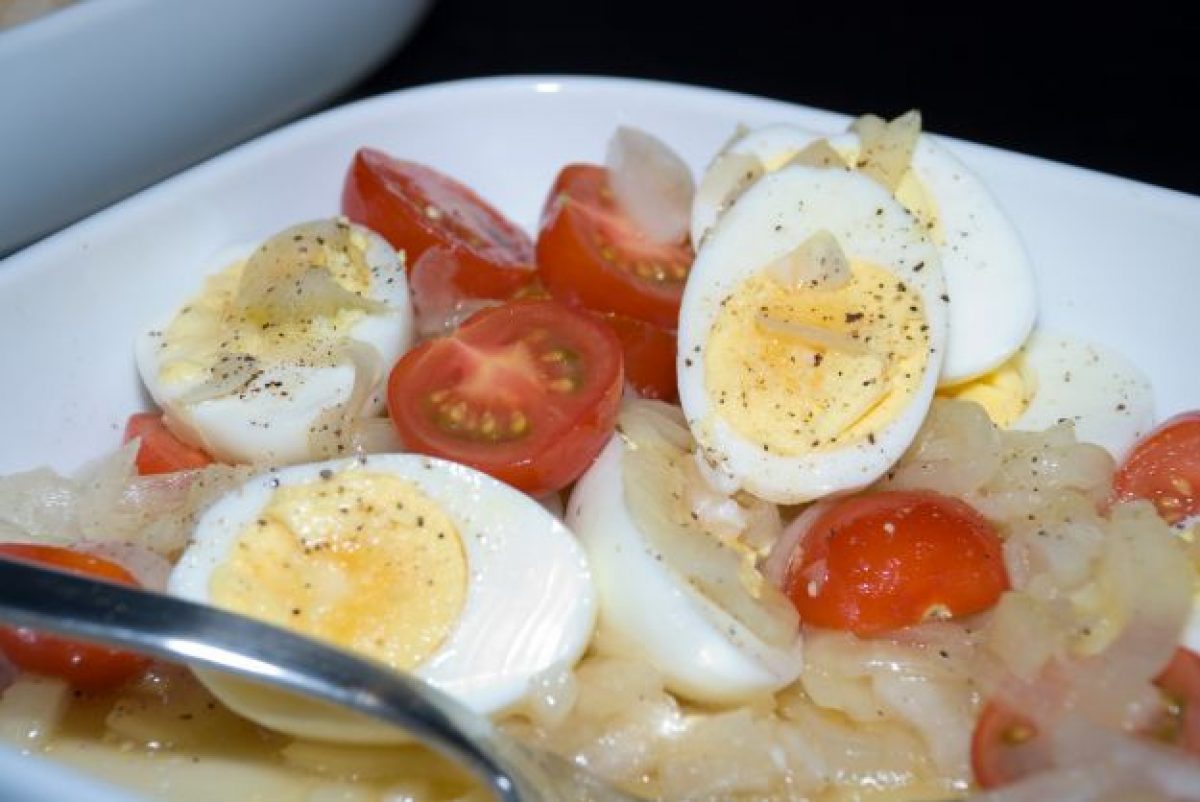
375	436
776	566
887	147
292	275
333	431
816	337
818	263
729	175
656	478
956	451
819	154
651	183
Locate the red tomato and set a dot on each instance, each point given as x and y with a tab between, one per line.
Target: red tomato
878	562
590	254
1164	467
526	392
415	208
160	450
83	665
1005	745
649	357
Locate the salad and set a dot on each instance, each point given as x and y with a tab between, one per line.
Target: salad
758	486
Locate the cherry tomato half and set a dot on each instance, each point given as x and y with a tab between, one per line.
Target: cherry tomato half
649	357
1164	467
415	208
526	392
879	562
84	665
590	254
1006	747
160	450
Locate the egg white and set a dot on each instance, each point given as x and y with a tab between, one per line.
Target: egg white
1107	398
270	419
530	601
777	214
702	652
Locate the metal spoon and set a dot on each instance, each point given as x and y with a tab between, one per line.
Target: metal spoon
183	631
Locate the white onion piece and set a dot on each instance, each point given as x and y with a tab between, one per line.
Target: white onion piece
729	175
289	277
651	183
818	338
818	263
332	432
887	147
956	451
819	153
776	565
375	436
438	309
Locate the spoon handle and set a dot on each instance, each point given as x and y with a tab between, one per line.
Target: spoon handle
182	631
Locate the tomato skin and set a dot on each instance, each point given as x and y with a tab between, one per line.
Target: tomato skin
649	357
416	208
1164	467
83	665
878	562
160	450
1005	745
589	253
547	380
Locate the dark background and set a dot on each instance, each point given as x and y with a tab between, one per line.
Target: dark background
1116	91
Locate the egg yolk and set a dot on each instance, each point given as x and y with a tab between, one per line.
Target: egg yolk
800	370
361	559
1004	393
269	309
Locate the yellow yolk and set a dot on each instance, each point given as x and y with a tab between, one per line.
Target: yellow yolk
1004	393
801	370
222	333
360	559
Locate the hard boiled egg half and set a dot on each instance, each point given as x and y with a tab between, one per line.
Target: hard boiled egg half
423	565
675	565
988	273
1055	379
811	334
283	348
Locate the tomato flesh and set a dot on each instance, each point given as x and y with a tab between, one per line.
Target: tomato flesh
415	208
1006	745
874	563
160	451
83	665
1164	468
591	254
649	357
526	392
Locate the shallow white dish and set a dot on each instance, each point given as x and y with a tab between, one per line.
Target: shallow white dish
104	98
1116	260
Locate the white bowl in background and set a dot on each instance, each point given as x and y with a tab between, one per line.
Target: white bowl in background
1116	260
108	96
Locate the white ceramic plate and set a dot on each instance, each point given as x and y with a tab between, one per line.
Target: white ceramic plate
108	96
1117	261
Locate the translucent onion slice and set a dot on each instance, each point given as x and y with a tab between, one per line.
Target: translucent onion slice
334	430
818	263
651	183
656	479
293	275
887	147
819	154
729	175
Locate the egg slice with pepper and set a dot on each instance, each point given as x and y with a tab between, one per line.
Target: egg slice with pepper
988	273
674	589
1055	379
426	566
811	333
284	347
